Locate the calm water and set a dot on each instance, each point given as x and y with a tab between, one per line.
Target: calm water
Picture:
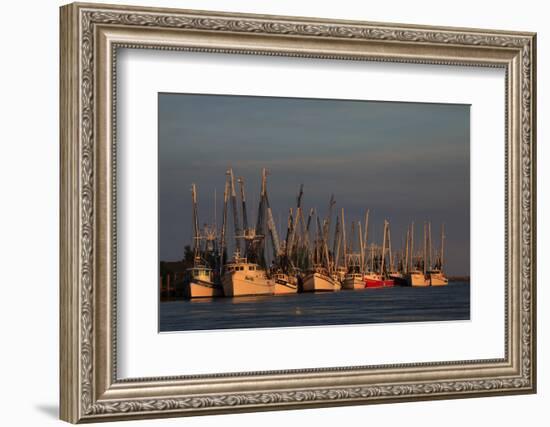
397	304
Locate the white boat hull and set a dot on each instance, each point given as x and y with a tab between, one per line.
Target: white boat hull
417	279
282	287
353	283
438	279
241	283
204	290
317	282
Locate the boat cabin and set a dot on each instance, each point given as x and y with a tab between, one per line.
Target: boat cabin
241	267
203	273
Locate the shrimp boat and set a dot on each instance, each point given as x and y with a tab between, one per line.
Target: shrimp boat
245	278
338	271
376	280
320	280
381	279
354	280
398	275
399	279
437	277
417	278
280	274
354	262
321	277
339	275
239	276
284	283
415	274
201	283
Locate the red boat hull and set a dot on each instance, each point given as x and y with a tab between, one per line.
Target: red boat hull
375	283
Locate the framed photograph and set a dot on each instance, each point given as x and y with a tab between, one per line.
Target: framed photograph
266	213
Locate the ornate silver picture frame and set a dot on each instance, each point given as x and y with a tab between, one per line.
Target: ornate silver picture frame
91	34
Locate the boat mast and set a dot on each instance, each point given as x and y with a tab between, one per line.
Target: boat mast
224	223
345	244
265	213
307	235
336	245
429	245
406	266
412	247
383	249
270	222
425	226
442	246
323	246
289	226
351	241
248	243
236	229
372	250
365	244
326	225
318	236
389	247
361	249
196	231
240	180
295	236
327	256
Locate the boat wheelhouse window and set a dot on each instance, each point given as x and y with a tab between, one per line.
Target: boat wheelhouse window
251	268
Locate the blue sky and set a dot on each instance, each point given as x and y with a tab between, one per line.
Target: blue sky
402	161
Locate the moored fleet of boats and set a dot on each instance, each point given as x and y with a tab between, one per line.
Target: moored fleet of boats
314	256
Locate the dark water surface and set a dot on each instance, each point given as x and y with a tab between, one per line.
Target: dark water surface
397	304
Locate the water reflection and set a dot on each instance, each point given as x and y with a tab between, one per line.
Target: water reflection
331	308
